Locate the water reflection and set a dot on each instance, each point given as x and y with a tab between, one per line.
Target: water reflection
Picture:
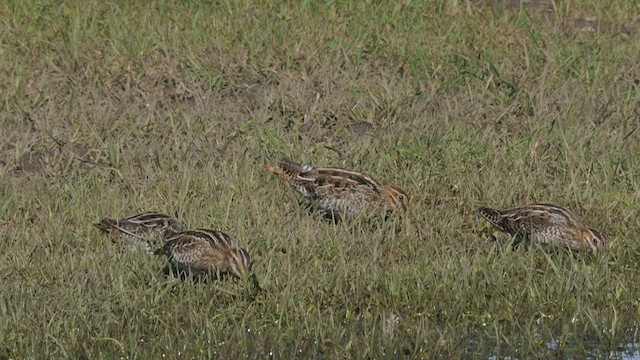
485	346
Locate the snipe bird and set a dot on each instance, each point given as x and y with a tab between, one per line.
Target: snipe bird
545	224
206	251
142	231
340	192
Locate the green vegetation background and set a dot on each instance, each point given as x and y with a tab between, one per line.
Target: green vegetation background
110	108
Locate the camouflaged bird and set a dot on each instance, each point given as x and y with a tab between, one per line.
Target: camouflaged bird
206	251
547	225
339	191
143	231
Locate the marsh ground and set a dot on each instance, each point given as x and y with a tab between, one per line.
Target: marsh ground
109	109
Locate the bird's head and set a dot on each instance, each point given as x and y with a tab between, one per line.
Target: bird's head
240	263
595	239
395	199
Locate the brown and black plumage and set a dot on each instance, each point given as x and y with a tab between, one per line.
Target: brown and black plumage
339	191
142	231
545	224
206	251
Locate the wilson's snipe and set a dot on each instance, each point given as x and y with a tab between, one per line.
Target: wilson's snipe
338	191
206	251
147	230
545	224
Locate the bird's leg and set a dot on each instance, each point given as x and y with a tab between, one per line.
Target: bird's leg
516	243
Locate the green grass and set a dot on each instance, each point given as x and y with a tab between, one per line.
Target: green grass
110	109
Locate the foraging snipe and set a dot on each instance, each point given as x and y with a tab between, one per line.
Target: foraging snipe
338	191
143	231
545	224
206	251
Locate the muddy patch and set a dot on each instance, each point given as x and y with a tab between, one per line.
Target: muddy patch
360	128
62	157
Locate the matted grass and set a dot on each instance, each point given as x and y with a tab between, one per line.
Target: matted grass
109	109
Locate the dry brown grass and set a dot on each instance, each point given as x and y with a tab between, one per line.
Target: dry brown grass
110	109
